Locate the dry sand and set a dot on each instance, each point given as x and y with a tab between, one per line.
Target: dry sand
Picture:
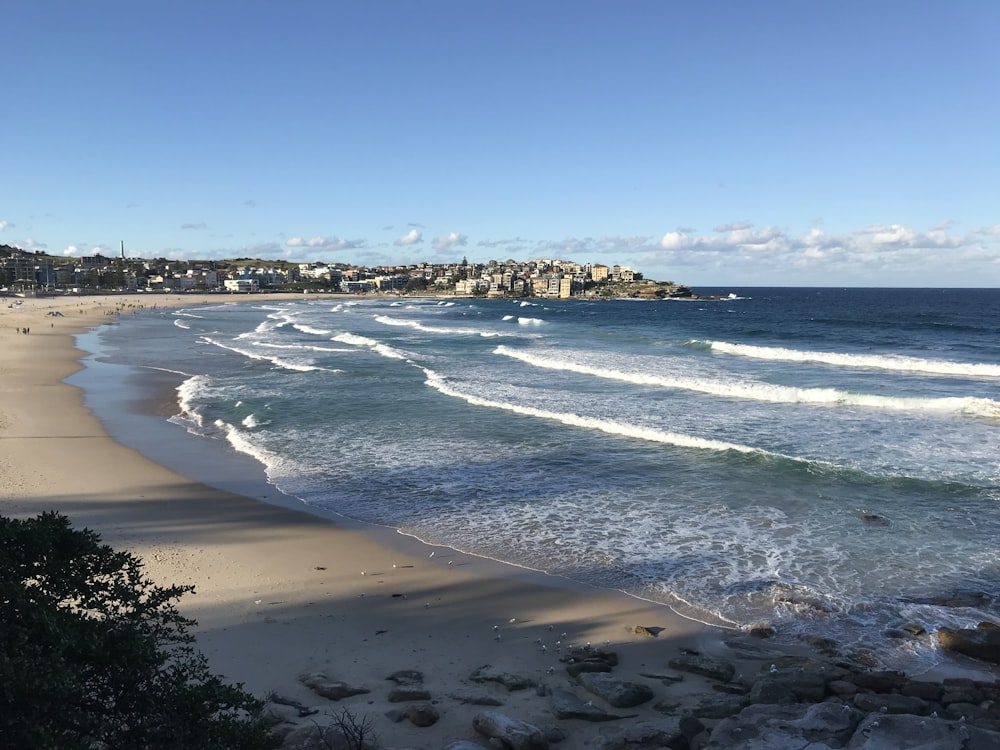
280	592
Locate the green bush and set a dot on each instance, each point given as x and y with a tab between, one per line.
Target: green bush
94	655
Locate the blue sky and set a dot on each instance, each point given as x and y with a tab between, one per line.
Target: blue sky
710	143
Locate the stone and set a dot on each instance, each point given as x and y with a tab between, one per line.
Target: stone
761	630
815	726
826	646
906	732
789	686
510	681
710	706
928	691
891	703
980	643
665	733
878	681
567	705
706	666
580	660
618	693
651	631
422	714
335	690
513	733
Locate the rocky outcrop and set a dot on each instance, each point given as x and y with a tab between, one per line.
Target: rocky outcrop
982	642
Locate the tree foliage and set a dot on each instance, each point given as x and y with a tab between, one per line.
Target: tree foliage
94	655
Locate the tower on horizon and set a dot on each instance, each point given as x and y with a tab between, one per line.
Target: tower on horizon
123	249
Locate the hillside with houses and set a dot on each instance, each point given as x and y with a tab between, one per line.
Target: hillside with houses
32	273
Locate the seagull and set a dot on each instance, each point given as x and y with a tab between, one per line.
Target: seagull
364	573
544	649
551	628
512	620
431	555
256	601
774	668
550	670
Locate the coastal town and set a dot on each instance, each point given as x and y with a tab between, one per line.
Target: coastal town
30	273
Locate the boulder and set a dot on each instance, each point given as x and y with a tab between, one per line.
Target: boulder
891	703
335	690
580	660
906	732
651	631
510	681
982	642
789	686
706	666
665	733
513	733
619	693
567	705
422	714
818	726
878	681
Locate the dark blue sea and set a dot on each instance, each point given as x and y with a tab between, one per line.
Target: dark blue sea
824	460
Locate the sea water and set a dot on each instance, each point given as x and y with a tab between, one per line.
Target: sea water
825	460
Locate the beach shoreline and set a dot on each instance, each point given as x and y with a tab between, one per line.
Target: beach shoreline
282	590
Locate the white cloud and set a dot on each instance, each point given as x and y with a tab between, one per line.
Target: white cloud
324	243
4	225
449	241
410	238
195	225
676	241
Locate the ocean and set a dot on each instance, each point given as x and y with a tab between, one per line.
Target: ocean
824	460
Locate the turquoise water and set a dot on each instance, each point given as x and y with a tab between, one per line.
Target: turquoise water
815	458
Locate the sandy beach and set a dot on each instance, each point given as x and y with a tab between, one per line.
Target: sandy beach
280	592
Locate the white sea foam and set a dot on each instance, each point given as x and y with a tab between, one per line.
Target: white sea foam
363	341
871	361
310	329
186	393
436	381
181	324
530	321
250	421
767	392
418	326
276	361
301	347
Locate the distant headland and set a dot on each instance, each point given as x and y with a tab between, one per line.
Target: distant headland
35	273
